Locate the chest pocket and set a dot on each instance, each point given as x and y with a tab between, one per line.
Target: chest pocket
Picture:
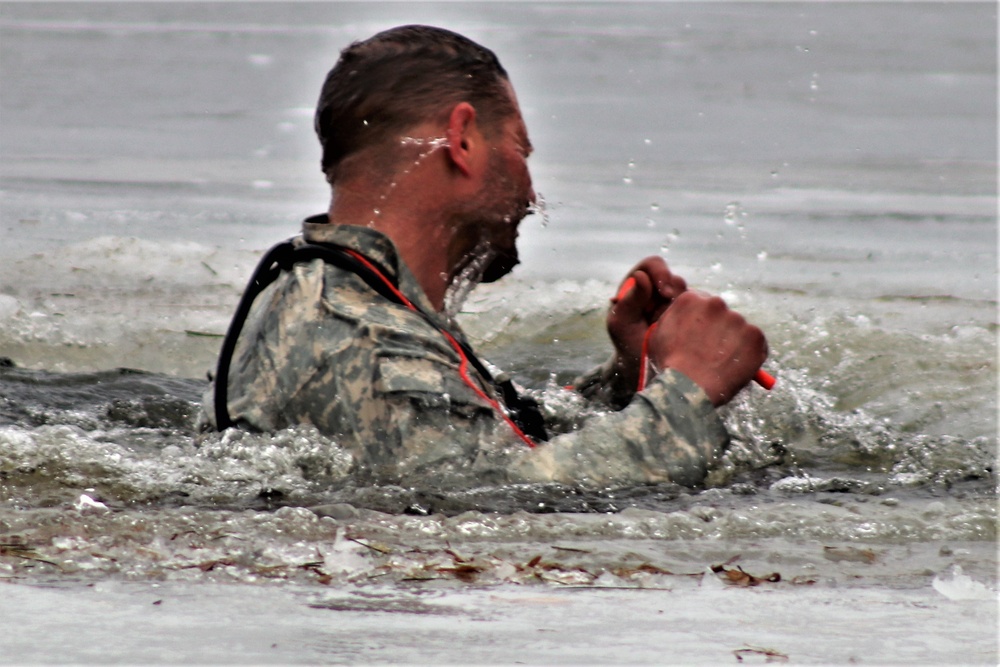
428	384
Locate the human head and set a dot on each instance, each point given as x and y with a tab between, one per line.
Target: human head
383	86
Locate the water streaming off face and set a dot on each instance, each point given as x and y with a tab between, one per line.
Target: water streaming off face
467	279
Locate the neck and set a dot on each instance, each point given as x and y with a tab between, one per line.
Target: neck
413	229
418	198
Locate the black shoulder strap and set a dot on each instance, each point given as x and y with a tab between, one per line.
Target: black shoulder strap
523	411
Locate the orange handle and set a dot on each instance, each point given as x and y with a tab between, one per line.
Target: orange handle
625	288
764	379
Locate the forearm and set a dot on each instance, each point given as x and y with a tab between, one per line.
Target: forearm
669	432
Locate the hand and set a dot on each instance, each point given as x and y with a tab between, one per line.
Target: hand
653	289
709	343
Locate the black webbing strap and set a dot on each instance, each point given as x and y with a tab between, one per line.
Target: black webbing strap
523	411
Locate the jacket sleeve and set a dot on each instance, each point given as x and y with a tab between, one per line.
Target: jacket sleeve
670	432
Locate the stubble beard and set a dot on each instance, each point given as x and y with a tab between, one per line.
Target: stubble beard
505	213
492	220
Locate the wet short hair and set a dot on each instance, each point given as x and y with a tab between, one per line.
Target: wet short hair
384	86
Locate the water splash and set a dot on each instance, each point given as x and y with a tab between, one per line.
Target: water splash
540	207
429	146
432	144
735	216
960	586
467	279
670	239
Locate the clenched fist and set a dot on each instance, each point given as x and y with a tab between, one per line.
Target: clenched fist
699	336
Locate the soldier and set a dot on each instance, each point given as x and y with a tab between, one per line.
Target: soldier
346	326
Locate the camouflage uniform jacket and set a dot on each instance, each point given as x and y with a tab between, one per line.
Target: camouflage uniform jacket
320	347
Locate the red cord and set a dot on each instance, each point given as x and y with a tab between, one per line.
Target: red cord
463	366
463	370
388	283
644	358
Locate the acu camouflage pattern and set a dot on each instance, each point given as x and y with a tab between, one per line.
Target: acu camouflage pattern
321	348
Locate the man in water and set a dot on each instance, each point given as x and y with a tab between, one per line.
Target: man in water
426	152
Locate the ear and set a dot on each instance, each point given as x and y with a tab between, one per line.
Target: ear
462	136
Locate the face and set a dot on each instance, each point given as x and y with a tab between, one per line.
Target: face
506	197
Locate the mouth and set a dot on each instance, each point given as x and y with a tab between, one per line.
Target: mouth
500	265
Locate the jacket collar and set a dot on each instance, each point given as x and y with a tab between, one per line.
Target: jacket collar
377	247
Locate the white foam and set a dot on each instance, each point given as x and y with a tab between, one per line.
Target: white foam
960	586
85	503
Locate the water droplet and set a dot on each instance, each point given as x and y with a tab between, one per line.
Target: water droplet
717	267
762	256
734	217
732	212
540	208
628	177
669	240
654	207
